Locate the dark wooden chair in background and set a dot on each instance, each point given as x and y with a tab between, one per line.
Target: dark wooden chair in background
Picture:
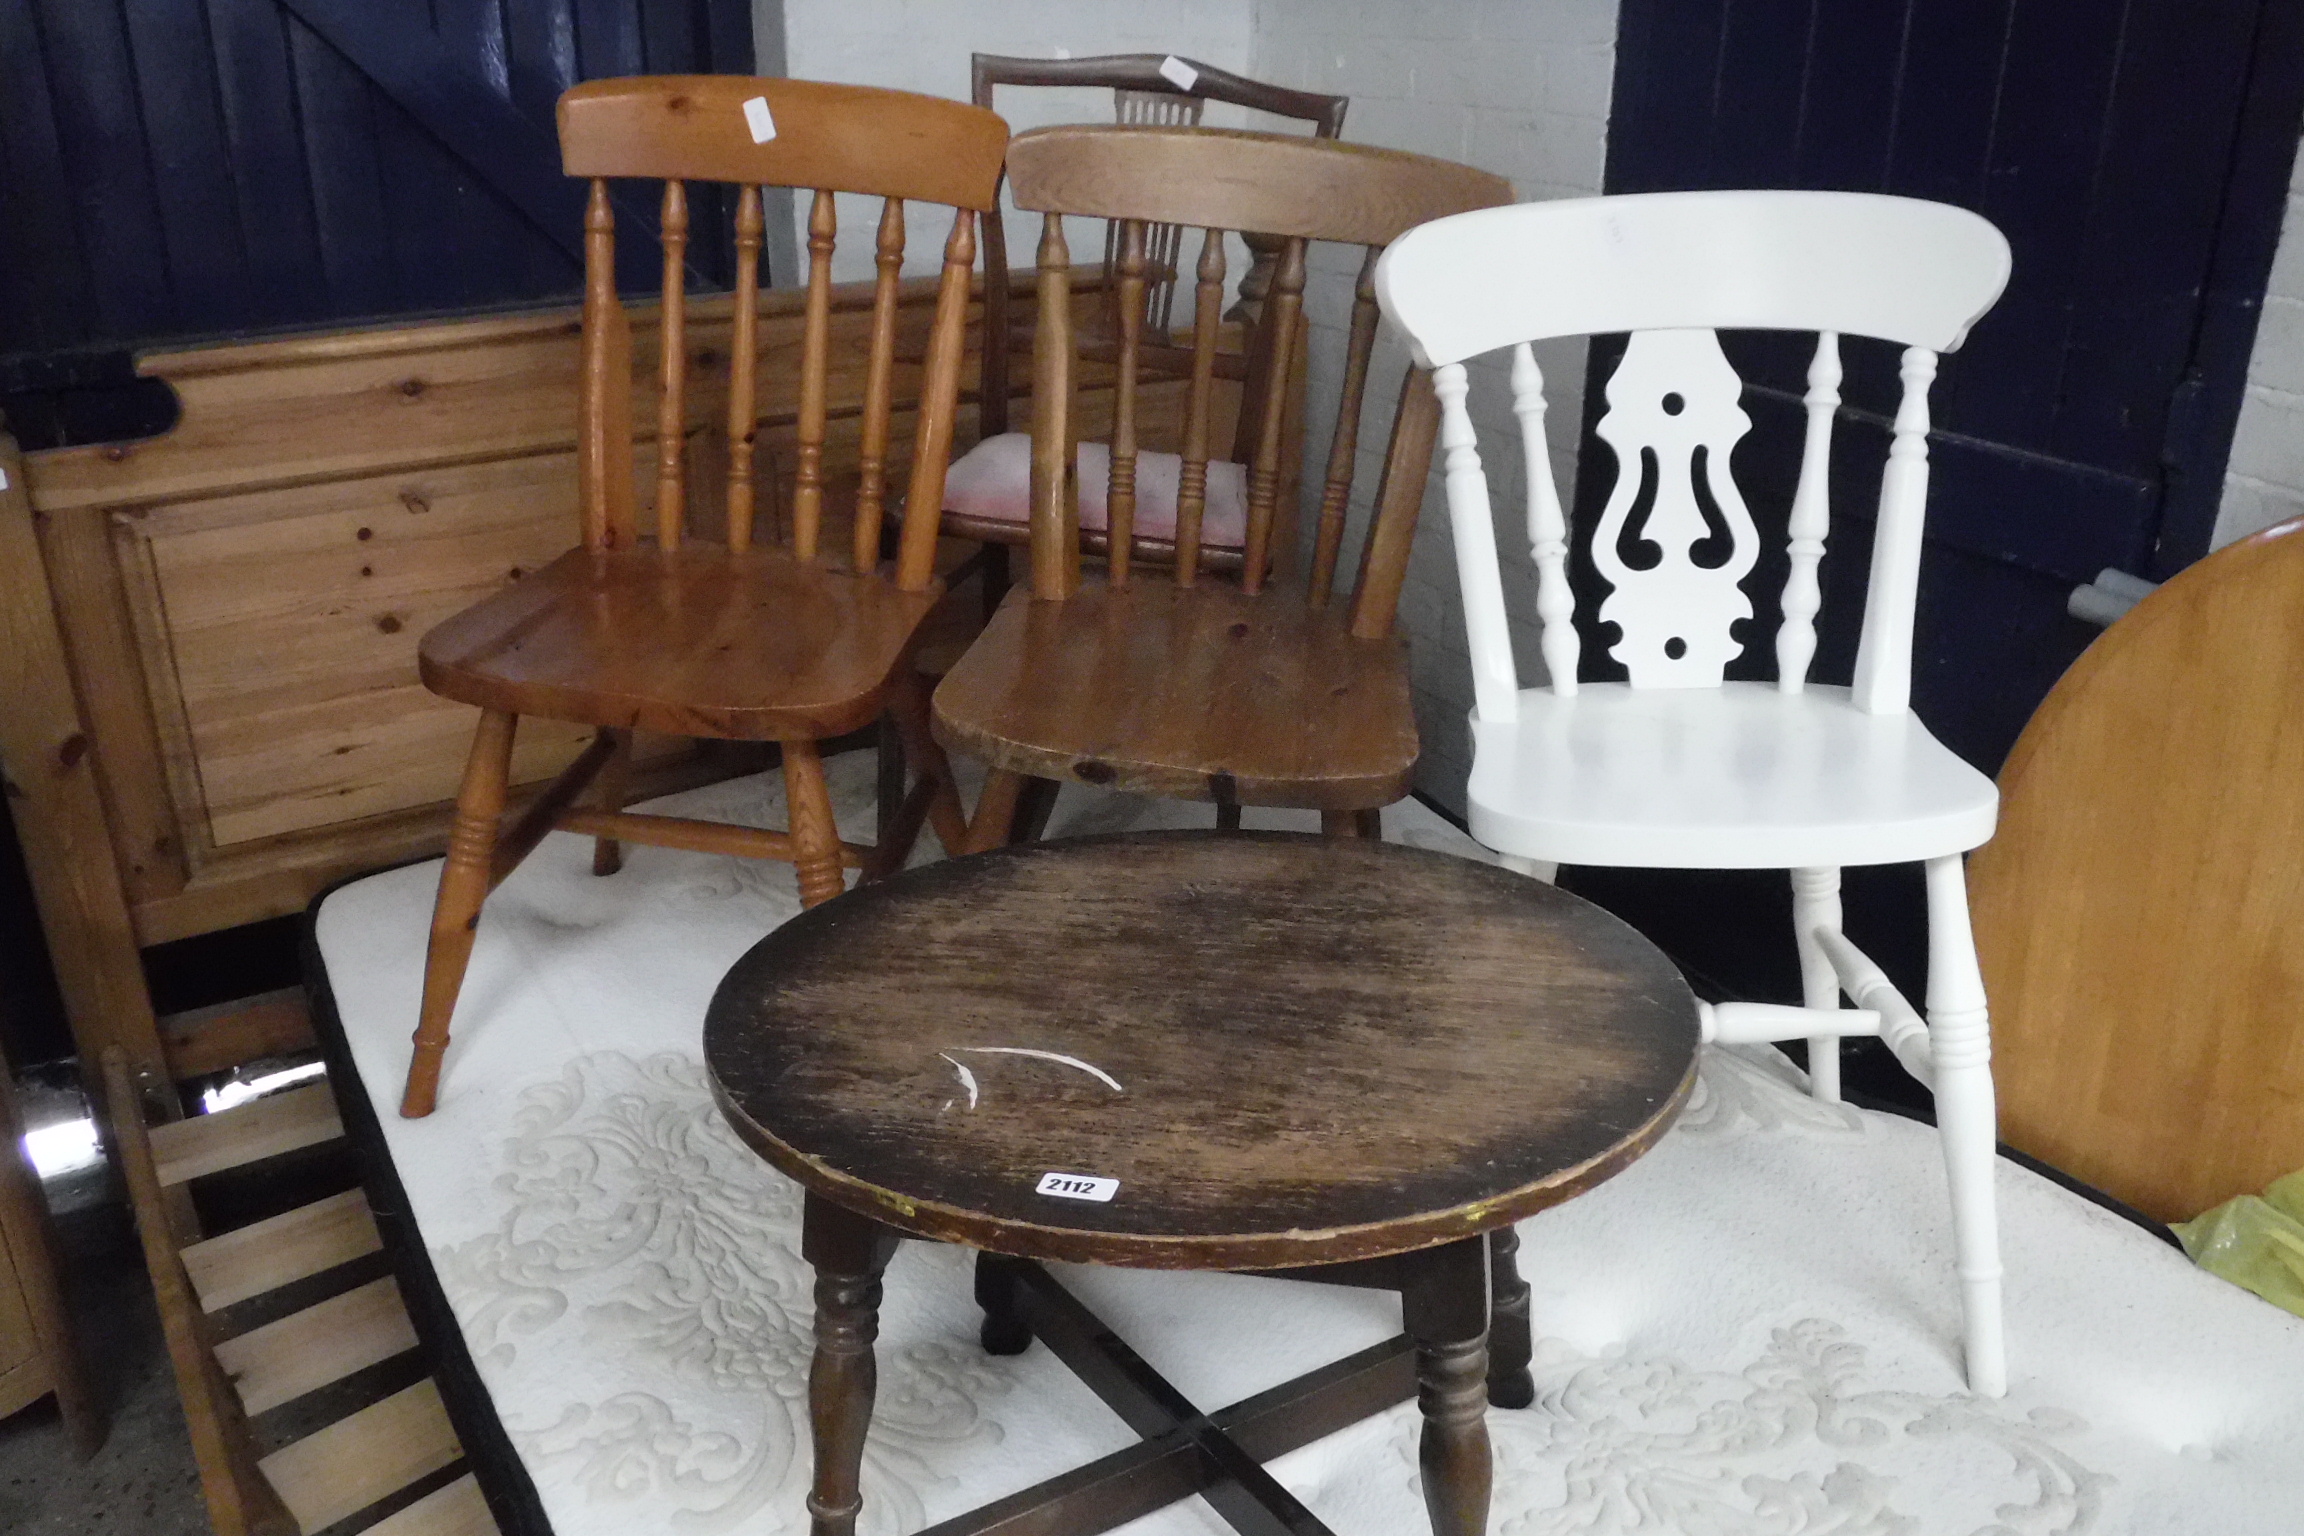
1192	687
1156	90
723	641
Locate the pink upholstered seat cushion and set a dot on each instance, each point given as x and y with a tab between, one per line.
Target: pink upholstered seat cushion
993	481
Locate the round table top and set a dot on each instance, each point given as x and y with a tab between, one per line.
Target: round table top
1202	1049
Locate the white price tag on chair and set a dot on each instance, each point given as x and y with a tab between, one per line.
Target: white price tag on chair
757	118
1178	73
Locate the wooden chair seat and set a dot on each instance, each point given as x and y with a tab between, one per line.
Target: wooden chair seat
1743	776
1201	693
758	646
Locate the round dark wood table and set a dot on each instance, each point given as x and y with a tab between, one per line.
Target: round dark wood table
1326	1058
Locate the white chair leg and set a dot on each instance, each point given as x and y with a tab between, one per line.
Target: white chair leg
1960	1041
1816	903
1535	869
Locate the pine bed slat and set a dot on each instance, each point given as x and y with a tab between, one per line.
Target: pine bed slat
265	1255
325	1342
454	1510
354	1462
267	1127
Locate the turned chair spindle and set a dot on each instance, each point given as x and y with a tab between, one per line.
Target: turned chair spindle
879	388
743	368
672	405
1192	474
1810	520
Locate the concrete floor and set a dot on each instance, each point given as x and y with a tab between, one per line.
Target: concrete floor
142	1480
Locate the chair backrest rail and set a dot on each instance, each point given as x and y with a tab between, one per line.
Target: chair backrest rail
815	365
1399	498
1192	477
1676	541
1495	684
1344	446
1120	494
1547	526
1810	520
829	139
1282	306
1883	684
1289	191
743	367
879	388
939	394
1142	95
1055	489
604	398
672	404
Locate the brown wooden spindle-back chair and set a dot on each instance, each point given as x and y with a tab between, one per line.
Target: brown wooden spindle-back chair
1145	92
1186	684
721	640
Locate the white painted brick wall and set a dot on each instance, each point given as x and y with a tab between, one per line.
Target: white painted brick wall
2264	482
924	45
1518	87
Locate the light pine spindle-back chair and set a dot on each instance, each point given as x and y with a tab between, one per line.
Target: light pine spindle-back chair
990	499
1185	683
1677	768
723	640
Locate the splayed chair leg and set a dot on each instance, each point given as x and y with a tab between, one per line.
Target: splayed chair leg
464	882
614	786
1960	1044
815	835
1816	904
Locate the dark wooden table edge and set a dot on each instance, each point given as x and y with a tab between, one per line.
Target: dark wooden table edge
934	1221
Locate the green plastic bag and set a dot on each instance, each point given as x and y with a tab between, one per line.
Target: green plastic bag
2256	1242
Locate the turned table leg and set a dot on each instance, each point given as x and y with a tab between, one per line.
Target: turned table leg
849	1253
1445	1309
1510	1344
1005	1332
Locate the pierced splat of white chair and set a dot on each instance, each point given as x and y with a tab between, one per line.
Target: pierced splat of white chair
1677	768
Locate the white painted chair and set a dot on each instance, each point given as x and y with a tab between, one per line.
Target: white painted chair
1678	769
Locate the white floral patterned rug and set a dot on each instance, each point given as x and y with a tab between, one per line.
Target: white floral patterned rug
1750	1331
